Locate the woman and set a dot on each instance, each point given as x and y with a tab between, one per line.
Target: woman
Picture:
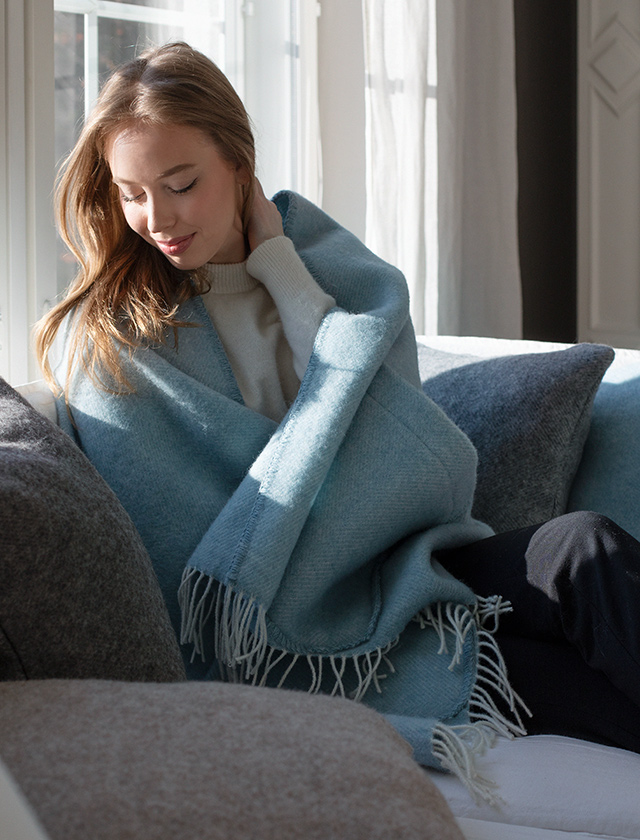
254	400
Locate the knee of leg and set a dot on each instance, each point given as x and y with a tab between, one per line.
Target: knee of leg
588	520
574	538
588	537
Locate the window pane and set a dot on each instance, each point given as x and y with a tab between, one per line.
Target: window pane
69	79
122	40
69	108
89	46
84	58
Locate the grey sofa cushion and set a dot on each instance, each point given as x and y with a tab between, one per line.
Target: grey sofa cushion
78	595
528	417
118	761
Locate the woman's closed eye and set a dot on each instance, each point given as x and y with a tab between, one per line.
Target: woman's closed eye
184	189
129	198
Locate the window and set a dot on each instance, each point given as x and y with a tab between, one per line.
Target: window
91	37
27	236
57	52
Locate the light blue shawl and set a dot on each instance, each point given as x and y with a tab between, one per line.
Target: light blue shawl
299	554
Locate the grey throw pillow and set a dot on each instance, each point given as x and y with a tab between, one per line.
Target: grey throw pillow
528	416
78	594
211	760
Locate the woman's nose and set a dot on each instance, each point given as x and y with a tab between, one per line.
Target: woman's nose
159	216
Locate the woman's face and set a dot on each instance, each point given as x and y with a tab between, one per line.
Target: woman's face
179	194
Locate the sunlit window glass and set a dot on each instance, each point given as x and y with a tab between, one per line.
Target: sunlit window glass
94	36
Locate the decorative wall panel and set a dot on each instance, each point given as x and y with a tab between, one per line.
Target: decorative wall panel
609	171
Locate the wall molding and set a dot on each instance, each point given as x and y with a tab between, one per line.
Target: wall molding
609	172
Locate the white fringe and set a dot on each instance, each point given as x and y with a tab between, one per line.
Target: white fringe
456	747
240	642
241	648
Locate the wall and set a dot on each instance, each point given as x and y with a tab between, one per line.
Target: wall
342	112
609	172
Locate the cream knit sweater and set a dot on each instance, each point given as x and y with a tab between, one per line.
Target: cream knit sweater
267	311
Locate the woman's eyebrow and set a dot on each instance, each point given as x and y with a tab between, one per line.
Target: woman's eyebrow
172	171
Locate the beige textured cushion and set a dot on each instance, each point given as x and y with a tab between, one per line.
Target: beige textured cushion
117	760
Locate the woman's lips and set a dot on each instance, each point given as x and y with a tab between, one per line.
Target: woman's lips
175	247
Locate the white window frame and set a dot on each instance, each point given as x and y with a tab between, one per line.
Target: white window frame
27	234
193	11
281	97
27	156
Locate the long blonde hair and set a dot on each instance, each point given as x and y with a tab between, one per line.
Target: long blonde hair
126	291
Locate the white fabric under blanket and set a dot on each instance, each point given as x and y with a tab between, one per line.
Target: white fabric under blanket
548	781
483	830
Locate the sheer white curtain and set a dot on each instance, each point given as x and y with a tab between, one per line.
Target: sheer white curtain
441	159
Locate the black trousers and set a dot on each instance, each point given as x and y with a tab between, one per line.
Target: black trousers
572	642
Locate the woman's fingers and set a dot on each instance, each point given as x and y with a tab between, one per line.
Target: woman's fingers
265	221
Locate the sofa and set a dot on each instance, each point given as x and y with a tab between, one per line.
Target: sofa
554	433
102	737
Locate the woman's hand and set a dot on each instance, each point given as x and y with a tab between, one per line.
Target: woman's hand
265	221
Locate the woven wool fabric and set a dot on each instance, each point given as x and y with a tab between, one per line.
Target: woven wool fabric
299	554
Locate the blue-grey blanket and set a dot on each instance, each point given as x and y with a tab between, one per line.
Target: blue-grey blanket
300	554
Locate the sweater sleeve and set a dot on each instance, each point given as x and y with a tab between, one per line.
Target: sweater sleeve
300	301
